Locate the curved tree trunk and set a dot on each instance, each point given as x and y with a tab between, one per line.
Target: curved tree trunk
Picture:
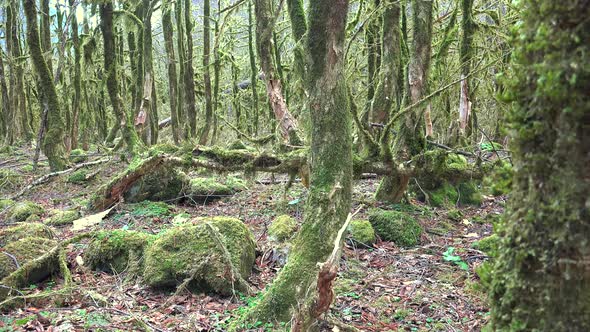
106	25
53	143
329	197
542	271
274	88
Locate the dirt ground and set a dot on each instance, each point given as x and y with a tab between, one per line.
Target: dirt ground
382	288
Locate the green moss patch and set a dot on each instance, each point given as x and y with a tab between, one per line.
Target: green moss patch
489	244
21	211
282	228
24	250
499	182
78	156
193	251
117	251
161	148
60	218
211	188
23	230
361	232
79	176
9	179
398	227
6	204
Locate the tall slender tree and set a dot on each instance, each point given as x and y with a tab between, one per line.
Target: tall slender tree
168	31
542	272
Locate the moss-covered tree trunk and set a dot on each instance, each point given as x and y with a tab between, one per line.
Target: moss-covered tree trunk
53	143
189	74
465	56
5	111
168	30
542	272
77	76
110	64
274	89
181	105
207	72
410	140
329	197
253	70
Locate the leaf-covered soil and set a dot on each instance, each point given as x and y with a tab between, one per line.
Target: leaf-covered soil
383	288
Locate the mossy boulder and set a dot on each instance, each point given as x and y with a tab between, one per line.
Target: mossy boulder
78	156
60	218
117	251
9	179
198	250
23	230
465	193
361	232
79	176
205	189
499	182
164	184
282	228
489	244
397	227
25	250
21	211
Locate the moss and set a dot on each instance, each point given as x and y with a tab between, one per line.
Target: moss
166	148
9	179
151	209
208	188
395	226
237	145
164	184
78	176
117	251
23	230
6	204
282	228
469	193
24	250
465	193
60	218
78	156
489	244
455	215
23	210
177	252
362	232
499	182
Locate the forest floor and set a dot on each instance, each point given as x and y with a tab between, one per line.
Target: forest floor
382	288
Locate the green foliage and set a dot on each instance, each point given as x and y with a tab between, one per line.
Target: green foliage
362	232
489	244
282	228
397	227
78	156
21	211
450	256
23	230
78	176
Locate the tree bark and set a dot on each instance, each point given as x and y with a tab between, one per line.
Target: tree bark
77	76
542	270
207	72
126	124
253	70
189	74
172	75
329	198
53	143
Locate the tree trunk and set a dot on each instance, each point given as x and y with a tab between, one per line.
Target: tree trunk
542	271
465	55
189	74
410	141
77	76
253	70
329	197
172	76
207	72
106	25
274	89
181	105
53	144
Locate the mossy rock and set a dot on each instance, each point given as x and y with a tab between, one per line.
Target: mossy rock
282	228
237	145
79	176
464	193
60	218
163	148
205	189
78	156
23	230
165	184
489	244
397	227
361	232
21	211
175	254
117	251
499	182
25	250
9	179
